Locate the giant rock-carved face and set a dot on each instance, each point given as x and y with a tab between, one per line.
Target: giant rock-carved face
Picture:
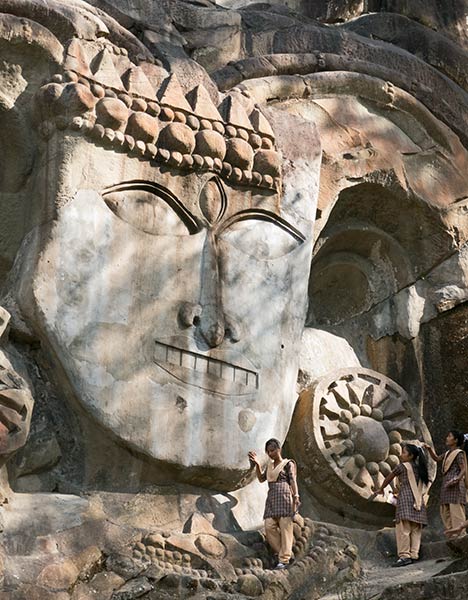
175	305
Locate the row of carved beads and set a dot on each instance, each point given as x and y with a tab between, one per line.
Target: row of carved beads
238	154
150	151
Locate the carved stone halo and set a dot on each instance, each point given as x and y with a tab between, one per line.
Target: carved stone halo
352	425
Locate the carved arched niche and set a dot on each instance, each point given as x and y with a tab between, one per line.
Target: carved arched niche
371	131
376	244
376	241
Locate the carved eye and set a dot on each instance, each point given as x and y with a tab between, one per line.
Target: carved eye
150	212
263	239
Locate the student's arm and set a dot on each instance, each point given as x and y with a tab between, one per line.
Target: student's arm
390	477
436	457
261	475
293	484
456	530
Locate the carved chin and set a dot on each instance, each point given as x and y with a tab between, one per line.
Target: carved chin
205	372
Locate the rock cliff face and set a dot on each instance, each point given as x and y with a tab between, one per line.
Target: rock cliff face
448	18
221	223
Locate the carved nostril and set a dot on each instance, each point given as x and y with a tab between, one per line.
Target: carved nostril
233	329
214	335
189	314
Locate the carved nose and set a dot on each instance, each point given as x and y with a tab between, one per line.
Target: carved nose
212	326
208	314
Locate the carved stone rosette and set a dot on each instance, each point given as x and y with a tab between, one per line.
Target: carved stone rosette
347	435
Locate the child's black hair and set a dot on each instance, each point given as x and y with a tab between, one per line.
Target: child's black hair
273	442
460	438
420	459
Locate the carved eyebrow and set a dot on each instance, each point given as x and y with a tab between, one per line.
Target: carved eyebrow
261	214
161	192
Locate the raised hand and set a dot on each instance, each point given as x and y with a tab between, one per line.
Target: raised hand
253	458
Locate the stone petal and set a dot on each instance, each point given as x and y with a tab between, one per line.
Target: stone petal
171	94
202	104
136	82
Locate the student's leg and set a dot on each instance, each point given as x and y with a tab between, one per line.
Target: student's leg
403	532
415	540
272	534
445	516
287	539
457	516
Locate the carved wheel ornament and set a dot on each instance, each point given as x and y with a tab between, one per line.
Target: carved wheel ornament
348	431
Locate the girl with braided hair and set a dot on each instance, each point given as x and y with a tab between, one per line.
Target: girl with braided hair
411	513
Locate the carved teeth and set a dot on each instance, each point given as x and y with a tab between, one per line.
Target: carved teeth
204	364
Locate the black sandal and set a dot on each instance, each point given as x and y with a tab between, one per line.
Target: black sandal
403	562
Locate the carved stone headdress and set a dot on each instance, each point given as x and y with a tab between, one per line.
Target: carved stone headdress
142	110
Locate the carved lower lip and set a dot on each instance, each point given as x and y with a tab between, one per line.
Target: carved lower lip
205	372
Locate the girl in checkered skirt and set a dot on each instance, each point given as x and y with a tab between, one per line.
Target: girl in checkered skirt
411	513
454	475
282	501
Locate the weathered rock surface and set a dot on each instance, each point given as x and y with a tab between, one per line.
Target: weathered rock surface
205	208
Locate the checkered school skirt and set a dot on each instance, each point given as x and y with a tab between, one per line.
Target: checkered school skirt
279	502
405	510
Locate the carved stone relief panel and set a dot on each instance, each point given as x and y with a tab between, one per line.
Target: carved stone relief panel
348	432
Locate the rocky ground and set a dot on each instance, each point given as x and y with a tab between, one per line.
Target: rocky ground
441	573
102	547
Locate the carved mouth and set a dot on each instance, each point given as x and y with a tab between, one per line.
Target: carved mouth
205	372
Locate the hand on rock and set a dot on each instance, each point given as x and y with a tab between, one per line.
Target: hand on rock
253	457
455	531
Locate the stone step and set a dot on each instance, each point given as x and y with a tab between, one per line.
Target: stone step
443	586
442	563
435	550
383	578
